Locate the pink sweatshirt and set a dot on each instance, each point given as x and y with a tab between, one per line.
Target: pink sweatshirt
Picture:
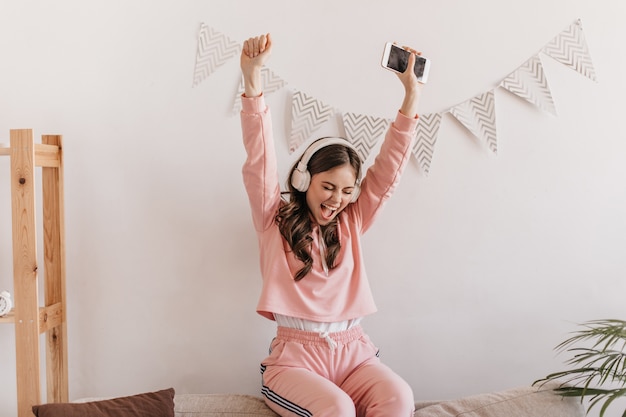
345	293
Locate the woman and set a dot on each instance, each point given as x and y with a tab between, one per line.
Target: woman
321	363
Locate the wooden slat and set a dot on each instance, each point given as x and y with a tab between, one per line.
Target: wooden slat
25	271
47	155
54	272
9	318
50	317
5	151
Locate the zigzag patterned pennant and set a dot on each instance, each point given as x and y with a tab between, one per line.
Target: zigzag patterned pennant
478	115
530	83
426	132
363	131
307	114
271	83
214	49
570	48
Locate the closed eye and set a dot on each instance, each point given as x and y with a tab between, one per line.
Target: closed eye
331	187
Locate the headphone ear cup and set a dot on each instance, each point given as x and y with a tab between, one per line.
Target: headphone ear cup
300	180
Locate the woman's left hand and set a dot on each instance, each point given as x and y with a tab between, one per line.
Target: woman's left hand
412	87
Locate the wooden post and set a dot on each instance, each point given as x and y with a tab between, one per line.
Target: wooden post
25	270
54	274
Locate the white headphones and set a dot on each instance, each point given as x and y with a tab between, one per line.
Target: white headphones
301	177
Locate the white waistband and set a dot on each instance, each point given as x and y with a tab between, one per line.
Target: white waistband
315	326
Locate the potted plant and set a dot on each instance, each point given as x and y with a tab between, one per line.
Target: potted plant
598	364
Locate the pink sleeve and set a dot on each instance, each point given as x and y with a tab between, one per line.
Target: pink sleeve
260	172
384	175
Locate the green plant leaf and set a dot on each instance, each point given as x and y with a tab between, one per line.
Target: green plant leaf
598	361
617	394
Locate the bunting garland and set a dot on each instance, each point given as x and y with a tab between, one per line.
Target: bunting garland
476	114
364	131
214	49
530	83
307	115
570	48
426	137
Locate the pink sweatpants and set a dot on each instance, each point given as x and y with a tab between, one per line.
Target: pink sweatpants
305	376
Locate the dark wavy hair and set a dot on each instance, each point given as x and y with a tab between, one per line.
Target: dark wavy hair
293	217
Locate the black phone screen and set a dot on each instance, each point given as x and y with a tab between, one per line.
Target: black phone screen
399	59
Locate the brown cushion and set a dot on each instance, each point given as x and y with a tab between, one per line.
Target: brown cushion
151	404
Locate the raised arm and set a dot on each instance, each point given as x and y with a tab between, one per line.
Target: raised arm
260	174
384	175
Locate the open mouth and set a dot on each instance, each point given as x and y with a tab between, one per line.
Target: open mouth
328	211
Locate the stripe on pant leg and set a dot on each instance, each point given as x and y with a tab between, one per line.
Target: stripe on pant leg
284	403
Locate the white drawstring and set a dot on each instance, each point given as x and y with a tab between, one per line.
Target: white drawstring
331	343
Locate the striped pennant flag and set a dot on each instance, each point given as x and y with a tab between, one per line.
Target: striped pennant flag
570	48
271	83
478	115
529	82
214	49
307	115
364	131
426	133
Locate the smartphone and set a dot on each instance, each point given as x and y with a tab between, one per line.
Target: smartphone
396	59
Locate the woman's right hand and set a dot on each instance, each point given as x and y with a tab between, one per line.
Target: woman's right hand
254	54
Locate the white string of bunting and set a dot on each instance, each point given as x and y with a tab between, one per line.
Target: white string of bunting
477	114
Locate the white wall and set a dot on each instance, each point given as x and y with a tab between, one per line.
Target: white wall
479	269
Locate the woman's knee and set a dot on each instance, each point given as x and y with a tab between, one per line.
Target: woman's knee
396	399
340	405
380	392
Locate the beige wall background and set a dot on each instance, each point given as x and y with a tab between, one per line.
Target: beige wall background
478	269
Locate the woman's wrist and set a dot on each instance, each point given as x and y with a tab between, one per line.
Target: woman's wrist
410	104
253	83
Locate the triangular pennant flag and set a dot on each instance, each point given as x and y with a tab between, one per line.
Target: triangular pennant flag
478	115
214	49
426	133
363	131
530	83
570	48
270	82
307	114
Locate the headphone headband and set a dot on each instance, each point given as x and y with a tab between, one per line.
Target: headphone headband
319	144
